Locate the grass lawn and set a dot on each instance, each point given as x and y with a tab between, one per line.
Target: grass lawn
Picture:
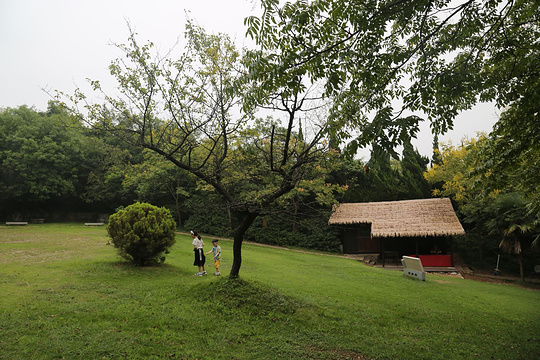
65	294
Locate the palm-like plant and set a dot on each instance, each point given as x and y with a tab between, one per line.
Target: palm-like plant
511	220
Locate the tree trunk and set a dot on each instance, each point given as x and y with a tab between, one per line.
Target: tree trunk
480	254
294	216
177	203
521	273
246	222
229	214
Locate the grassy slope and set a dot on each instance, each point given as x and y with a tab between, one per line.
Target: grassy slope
65	294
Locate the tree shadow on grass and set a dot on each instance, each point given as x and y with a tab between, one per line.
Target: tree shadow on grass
127	268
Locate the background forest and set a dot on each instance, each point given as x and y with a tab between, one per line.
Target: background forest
55	168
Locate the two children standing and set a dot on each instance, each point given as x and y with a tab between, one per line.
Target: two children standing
200	258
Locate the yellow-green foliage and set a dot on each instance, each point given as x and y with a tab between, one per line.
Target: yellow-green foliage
142	233
456	172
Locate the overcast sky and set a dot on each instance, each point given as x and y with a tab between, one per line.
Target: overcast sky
57	44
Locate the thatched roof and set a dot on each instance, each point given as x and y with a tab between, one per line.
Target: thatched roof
425	217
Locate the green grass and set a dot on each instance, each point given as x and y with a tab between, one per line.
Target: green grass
66	294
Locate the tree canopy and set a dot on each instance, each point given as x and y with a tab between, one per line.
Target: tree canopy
437	58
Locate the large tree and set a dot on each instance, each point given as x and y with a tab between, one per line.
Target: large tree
189	111
511	156
434	57
383	62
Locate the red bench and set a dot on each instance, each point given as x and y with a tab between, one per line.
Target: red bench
436	260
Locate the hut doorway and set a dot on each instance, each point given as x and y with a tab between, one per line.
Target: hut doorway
358	240
368	245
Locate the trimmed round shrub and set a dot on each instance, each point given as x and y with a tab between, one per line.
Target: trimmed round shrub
142	233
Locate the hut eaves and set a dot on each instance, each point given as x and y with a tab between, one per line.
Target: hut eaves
407	218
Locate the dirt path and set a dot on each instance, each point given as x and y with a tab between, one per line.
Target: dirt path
530	283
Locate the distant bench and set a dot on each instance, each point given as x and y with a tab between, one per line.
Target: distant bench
37	221
20	223
94	224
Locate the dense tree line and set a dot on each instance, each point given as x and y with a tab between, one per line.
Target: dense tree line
54	166
51	164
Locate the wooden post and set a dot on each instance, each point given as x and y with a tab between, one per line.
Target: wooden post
451	246
382	251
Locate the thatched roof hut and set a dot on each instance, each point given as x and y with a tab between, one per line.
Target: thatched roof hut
408	218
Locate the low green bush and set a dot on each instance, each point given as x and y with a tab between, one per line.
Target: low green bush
142	233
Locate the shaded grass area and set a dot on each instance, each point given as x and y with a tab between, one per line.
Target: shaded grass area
65	294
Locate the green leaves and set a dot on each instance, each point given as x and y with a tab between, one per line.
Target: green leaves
40	155
440	58
142	233
489	179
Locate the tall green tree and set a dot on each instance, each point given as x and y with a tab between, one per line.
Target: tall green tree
188	110
354	174
412	183
105	166
383	179
510	157
438	58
